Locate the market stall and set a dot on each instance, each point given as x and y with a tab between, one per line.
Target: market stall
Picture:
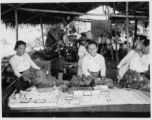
81	96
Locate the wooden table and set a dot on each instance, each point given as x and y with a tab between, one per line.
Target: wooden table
93	111
134	110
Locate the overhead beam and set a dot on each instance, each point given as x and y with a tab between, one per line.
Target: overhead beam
41	14
79	13
12	8
59	6
63	6
33	17
10	5
133	7
81	7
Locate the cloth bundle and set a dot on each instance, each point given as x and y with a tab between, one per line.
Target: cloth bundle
90	81
39	78
82	81
135	80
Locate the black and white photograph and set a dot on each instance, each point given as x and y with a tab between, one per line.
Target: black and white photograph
75	59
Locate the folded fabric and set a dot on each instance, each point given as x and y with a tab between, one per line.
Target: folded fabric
39	78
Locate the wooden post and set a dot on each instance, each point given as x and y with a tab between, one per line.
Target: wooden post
16	25
135	34
117	55
114	8
127	22
42	31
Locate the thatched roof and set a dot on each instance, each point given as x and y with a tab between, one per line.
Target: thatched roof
33	17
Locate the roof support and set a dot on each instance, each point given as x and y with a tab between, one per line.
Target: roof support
16	25
79	13
42	31
117	56
12	8
63	6
127	27
33	17
134	7
135	34
41	14
116	42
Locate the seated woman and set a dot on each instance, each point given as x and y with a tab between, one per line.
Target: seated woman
93	65
132	67
25	69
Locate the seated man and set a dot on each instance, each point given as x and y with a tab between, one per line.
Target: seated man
93	65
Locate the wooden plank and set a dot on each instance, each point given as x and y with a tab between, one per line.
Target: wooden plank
98	108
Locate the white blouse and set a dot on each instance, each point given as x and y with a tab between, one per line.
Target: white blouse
82	51
93	64
21	63
137	63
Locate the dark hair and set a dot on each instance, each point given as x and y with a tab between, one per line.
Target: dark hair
101	35
146	42
142	37
110	37
92	42
83	35
118	34
19	43
125	42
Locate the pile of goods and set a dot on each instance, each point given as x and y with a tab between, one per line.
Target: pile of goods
33	97
89	81
97	95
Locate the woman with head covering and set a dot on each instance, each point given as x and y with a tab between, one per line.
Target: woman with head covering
82	52
132	67
25	69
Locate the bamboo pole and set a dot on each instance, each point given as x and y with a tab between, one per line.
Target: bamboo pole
116	39
127	22
42	31
114	8
16	25
135	34
117	57
79	13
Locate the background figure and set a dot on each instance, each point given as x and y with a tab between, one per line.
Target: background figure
82	52
115	42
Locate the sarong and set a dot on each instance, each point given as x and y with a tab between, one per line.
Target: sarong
98	80
136	80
